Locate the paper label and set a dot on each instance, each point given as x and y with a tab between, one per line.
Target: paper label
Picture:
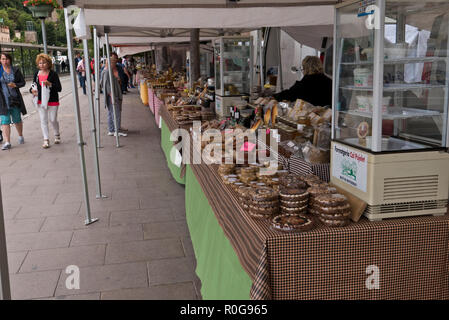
291	144
350	166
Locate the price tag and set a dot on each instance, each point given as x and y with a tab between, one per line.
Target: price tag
300	127
291	144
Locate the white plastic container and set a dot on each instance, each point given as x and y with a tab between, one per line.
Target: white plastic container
364	103
363	77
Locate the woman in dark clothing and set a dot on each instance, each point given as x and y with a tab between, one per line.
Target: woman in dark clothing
50	79
315	87
11	101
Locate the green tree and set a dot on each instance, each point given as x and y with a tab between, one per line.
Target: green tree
17	4
22	19
7	22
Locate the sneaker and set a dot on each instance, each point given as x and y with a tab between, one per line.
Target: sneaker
6	146
110	133
21	140
46	144
121	134
57	139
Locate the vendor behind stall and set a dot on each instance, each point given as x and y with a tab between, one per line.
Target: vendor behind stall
315	87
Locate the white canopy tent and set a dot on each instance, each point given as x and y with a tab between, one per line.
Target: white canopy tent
130	50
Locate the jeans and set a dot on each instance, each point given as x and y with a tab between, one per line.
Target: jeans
51	113
125	83
118	112
82	82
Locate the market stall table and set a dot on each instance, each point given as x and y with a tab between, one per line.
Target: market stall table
411	254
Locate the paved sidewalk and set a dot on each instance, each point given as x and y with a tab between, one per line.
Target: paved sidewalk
139	249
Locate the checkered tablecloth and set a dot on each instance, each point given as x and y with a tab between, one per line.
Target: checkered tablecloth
151	98
299	166
410	256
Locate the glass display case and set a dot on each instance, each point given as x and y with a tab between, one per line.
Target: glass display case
391	75
205	69
233	61
390	110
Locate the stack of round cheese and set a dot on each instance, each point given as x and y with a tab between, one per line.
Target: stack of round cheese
264	203
294	201
333	210
292	222
291	181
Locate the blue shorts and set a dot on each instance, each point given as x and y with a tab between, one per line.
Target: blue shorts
13	113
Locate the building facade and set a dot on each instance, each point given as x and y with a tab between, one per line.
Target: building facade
4	34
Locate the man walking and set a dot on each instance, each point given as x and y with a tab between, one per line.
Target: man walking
77	61
81	68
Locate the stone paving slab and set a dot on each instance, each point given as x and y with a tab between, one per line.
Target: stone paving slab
23	225
107	235
177	291
108	277
74	222
33	285
61	258
166	271
38	240
140	216
144	250
15	260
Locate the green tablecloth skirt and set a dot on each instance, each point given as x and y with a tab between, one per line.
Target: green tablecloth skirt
220	271
167	145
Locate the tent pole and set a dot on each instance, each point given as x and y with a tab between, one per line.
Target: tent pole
5	290
97	84
44	35
108	53
92	118
280	59
81	143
